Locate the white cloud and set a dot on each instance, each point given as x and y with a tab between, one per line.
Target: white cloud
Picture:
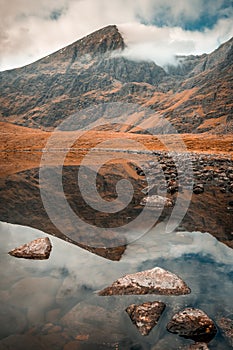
162	44
27	31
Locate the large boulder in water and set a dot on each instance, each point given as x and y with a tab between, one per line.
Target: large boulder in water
38	249
146	315
154	281
193	324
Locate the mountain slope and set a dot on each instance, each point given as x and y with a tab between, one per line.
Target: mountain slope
195	95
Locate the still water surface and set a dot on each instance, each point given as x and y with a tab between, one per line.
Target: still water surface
54	304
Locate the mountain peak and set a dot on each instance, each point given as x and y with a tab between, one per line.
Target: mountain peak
103	40
99	42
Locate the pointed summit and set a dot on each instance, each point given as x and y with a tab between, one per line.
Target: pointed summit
97	43
103	40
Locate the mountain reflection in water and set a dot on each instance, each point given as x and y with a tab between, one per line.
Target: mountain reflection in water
53	303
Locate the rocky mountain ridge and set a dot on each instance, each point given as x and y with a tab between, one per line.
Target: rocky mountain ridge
195	96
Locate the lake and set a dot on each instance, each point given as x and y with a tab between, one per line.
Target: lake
53	304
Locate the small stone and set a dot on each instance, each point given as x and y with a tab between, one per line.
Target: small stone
157	202
38	249
194	324
222	189
140	172
146	316
82	337
151	190
154	281
198	189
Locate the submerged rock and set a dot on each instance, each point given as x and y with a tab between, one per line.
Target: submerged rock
197	346
39	249
194	324
226	325
156	201
146	316
154	281
22	342
12	320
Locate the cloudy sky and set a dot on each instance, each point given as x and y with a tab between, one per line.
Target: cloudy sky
154	29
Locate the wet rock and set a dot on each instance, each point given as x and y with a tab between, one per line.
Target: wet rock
146	316
226	325
38	249
194	324
154	281
156	201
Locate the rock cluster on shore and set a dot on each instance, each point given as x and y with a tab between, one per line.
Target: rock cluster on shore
171	172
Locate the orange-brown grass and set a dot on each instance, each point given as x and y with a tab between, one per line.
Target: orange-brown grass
22	148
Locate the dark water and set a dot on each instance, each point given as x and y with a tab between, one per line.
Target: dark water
53	304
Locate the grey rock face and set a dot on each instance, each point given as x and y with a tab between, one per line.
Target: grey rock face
146	315
194	324
38	249
154	281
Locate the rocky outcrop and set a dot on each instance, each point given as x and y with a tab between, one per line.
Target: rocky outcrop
145	316
154	281
38	249
193	324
